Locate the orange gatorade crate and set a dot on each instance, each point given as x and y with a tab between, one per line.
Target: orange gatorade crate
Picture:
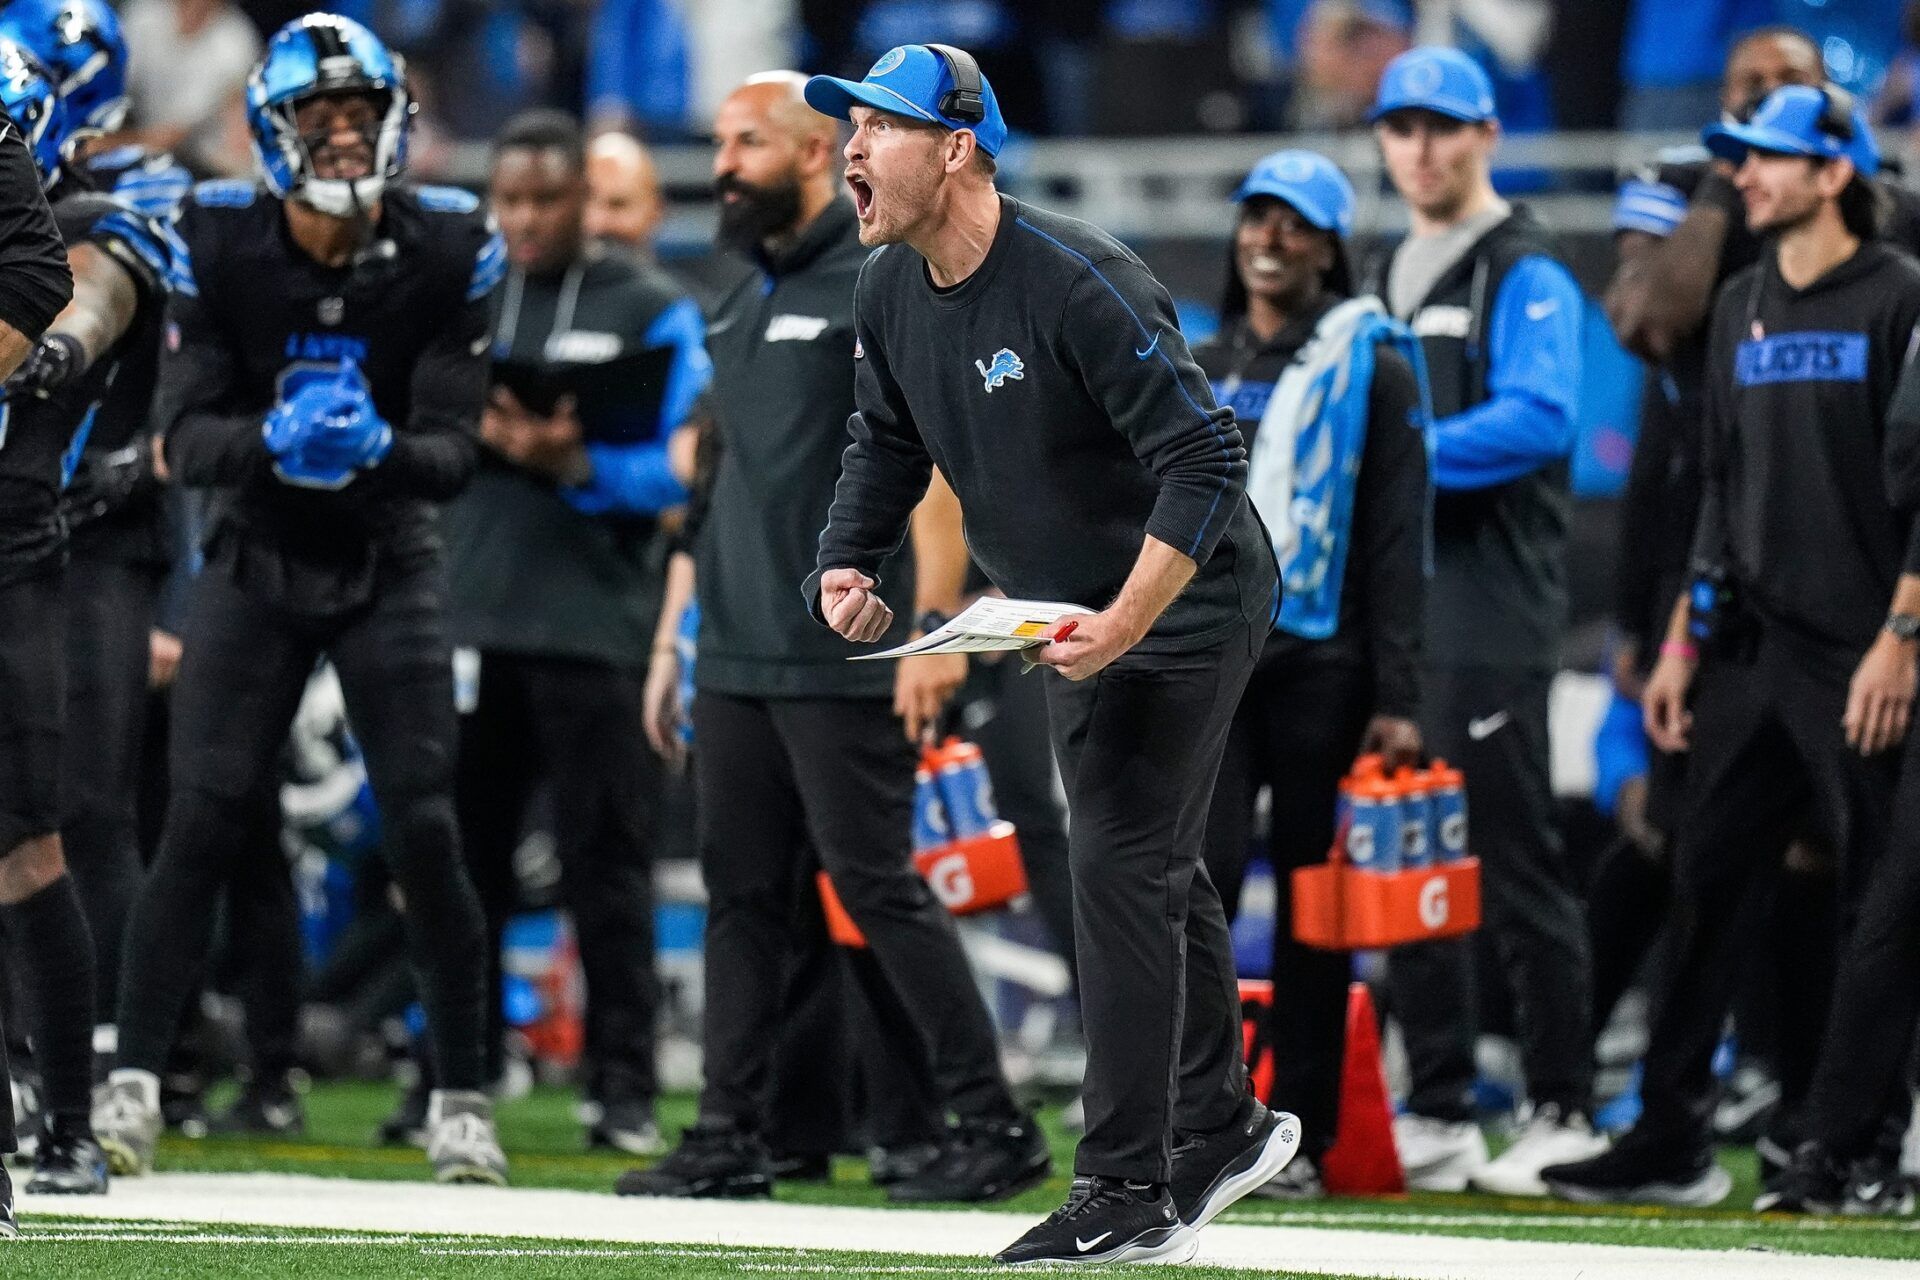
1338	907
1256	1007
968	875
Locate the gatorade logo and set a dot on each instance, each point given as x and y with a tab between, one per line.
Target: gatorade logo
1433	903
952	881
1453	831
1360	842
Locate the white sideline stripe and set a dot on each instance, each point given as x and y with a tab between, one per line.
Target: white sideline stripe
294	1201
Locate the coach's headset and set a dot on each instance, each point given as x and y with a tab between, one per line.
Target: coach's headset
967	100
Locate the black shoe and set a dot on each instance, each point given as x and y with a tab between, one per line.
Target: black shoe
183	1104
8	1227
1212	1170
1877	1189
1107	1220
68	1163
268	1106
1813	1183
628	1127
709	1163
983	1160
1642	1168
810	1166
407	1126
889	1165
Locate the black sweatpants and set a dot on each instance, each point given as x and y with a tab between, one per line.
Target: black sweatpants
775	775
1005	714
576	726
1296	733
9	1141
245	666
111	604
1767	742
1139	747
1491	722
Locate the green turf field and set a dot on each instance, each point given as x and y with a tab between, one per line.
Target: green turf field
544	1141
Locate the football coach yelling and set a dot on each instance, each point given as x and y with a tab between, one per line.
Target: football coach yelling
1038	363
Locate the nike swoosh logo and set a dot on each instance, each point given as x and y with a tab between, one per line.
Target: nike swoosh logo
1150	346
1541	310
1487	726
1084	1245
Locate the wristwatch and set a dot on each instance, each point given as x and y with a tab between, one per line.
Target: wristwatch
1904	626
932	620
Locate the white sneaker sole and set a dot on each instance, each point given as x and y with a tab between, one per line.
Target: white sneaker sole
1281	1145
1495	1181
122	1160
1453	1173
1703	1193
1180	1244
470	1175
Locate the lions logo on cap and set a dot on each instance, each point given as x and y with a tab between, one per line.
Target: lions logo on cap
1423	77
1293	169
888	61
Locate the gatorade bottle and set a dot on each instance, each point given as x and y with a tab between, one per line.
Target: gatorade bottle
930	827
965	789
1447	805
1416	818
1373	835
1364	767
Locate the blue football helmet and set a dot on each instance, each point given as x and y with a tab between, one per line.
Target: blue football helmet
79	43
326	53
28	93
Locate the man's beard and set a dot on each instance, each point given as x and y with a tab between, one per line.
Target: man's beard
758	214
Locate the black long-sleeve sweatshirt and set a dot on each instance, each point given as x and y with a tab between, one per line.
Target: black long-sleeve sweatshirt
1812	465
1056	394
1383	599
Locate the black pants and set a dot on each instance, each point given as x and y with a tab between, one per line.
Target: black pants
9	1141
111	603
1139	747
1492	723
775	775
577	727
1296	734
1861	1078
246	664
1005	714
1767	742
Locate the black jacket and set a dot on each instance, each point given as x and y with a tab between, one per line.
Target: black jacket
1055	392
1383	600
1812	469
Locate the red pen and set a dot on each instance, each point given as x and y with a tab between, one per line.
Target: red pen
1060	633
1066	629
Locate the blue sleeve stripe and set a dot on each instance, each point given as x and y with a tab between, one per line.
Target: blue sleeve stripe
180	277
143	238
489	268
682	327
1152	342
1653	207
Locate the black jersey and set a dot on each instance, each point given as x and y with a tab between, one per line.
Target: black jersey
255	314
103	409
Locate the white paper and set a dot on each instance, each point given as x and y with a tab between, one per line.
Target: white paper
988	625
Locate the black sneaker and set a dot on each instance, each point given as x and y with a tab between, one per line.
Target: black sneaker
709	1163
1212	1170
9	1229
809	1166
183	1104
1813	1183
407	1126
269	1106
628	1127
1877	1189
68	1163
983	1160
889	1165
1107	1220
1642	1168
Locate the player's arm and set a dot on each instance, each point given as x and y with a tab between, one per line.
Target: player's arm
883	475
1669	249
104	301
1392	532
1533	384
1120	329
206	442
922	686
35	281
639	478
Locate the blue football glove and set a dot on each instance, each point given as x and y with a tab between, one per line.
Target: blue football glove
326	432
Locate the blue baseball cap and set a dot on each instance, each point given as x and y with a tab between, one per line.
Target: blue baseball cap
1309	182
910	80
1444	81
1789	122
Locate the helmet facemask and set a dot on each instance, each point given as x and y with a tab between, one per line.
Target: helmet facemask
287	157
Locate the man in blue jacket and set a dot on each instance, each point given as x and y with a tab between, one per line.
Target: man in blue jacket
1499	321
